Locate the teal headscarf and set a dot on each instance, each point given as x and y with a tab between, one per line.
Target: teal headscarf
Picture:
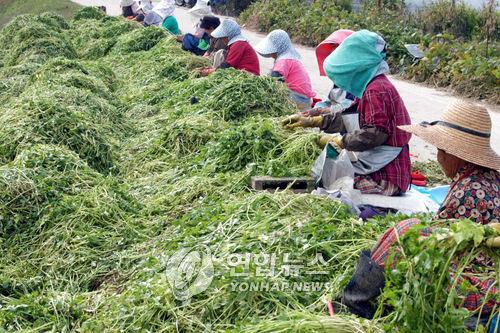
356	62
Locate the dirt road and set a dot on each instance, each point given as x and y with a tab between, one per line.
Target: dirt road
423	103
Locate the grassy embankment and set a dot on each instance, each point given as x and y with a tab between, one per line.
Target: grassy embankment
11	8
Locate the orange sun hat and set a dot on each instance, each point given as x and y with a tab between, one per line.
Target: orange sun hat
326	47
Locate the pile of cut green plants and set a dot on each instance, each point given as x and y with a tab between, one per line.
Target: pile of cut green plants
125	203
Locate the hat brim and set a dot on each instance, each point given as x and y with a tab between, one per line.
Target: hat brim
201	11
219	33
265	47
463	145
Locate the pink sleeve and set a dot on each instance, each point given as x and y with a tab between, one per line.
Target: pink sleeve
282	66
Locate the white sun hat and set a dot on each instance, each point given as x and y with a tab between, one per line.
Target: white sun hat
125	3
230	29
200	9
277	41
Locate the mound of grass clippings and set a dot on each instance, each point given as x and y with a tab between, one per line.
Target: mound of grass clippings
125	202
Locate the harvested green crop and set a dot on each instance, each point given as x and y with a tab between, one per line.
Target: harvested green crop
94	39
71	73
48	23
229	94
37	42
176	193
242	95
434	299
89	13
181	93
182	67
37	178
95	221
13	80
304	322
298	152
40	118
139	40
261	223
115	158
253	141
188	135
53	20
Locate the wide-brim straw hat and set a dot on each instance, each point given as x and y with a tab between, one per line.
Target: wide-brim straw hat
464	131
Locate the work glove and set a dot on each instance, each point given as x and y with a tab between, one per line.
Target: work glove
335	139
298	120
494	242
315	112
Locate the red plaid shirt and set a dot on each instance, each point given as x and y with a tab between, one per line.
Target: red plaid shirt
382	107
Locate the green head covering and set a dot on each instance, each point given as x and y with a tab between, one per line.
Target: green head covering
356	61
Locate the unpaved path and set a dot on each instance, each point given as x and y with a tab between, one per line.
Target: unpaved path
423	103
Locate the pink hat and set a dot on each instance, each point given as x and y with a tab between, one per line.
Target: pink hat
326	47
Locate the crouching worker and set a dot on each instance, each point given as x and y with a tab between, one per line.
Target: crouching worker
462	138
240	54
287	67
200	43
369	127
130	8
162	16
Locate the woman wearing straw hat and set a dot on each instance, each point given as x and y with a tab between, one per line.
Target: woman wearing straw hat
462	138
288	67
369	126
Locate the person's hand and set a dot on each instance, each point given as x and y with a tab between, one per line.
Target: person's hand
334	139
206	55
206	71
315	112
179	38
298	120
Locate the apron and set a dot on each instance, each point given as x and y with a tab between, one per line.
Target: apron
330	166
372	160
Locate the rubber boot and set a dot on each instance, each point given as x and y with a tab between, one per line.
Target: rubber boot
364	287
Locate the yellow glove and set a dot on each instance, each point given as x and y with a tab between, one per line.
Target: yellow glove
300	121
336	139
495	226
493	242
